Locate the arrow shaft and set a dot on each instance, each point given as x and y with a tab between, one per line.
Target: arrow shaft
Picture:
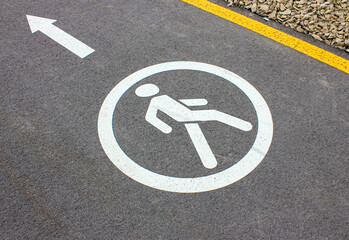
66	40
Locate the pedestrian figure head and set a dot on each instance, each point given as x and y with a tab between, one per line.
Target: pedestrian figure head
147	90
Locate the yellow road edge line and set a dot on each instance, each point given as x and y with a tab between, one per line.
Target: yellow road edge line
276	35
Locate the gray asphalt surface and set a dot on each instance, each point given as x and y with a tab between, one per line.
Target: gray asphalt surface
56	182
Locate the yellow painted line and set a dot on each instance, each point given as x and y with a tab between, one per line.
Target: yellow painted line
276	35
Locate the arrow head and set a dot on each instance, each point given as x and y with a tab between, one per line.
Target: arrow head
37	23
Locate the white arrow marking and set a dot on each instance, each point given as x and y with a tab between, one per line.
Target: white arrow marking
45	26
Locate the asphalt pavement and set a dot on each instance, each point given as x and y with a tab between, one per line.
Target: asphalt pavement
79	159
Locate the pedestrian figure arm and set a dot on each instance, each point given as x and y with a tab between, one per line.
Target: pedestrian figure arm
194	102
151	118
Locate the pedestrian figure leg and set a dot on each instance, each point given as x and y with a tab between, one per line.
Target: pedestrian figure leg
201	145
214	115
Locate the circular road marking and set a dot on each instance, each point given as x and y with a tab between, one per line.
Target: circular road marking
221	179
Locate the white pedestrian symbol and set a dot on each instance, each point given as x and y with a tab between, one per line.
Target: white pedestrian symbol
181	113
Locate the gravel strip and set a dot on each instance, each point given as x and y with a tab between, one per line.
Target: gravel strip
325	20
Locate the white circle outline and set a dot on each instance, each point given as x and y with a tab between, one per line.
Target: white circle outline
175	184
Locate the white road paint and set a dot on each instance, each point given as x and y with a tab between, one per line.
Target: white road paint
221	179
45	26
180	113
194	102
147	90
201	145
